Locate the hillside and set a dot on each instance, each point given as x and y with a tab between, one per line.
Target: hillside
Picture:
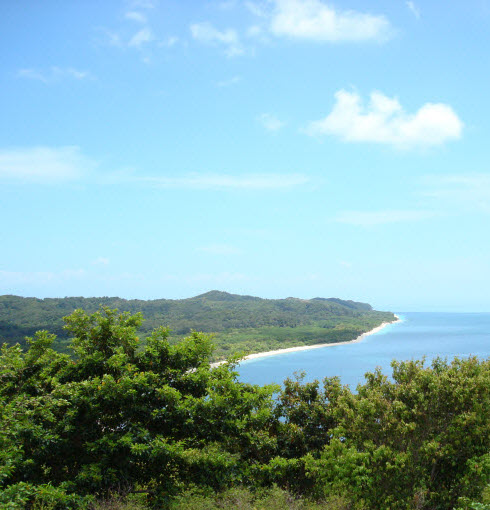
243	323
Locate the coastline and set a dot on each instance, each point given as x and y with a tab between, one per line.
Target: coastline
360	338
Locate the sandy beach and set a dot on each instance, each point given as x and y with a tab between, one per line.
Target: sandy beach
360	338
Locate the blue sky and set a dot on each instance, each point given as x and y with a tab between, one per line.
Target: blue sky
269	147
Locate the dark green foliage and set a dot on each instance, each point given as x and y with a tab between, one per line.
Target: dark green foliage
158	421
118	417
419	441
239	323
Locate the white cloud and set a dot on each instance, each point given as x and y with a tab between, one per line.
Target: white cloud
230	182
208	34
231	81
74	73
32	74
315	20
373	218
136	16
137	11
384	121
143	36
44	164
415	10
270	122
219	249
53	74
48	164
170	41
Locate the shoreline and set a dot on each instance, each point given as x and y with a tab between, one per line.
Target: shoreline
266	354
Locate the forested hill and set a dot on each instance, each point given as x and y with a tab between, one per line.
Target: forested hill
247	323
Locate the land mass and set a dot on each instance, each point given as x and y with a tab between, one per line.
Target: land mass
238	323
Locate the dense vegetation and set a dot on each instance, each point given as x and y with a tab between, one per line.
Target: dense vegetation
239	323
162	426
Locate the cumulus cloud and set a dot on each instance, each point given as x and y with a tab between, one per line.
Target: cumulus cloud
53	74
270	122
315	20
385	121
44	164
373	218
230	182
206	33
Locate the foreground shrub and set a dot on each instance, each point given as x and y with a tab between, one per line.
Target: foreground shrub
420	440
118	418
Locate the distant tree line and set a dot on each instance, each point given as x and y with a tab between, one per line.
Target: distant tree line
238	322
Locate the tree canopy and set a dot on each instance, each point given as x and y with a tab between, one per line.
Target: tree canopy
161	419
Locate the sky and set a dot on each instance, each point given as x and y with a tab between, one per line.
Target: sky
307	148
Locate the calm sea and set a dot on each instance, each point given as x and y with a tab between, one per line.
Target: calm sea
419	334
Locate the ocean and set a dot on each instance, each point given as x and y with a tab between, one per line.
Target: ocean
419	334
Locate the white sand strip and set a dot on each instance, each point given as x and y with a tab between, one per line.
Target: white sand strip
360	338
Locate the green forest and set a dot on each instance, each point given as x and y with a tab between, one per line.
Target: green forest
124	426
238	323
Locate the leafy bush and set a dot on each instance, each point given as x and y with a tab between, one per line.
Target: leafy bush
116	417
156	420
419	441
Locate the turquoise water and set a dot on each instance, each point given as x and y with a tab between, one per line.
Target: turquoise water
419	334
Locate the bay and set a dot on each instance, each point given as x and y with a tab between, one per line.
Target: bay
419	334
